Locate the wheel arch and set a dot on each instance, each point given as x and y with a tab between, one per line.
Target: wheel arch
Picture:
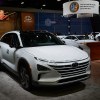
24	62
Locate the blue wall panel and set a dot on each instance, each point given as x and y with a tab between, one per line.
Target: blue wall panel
54	22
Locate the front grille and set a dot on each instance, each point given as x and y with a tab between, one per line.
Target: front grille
69	70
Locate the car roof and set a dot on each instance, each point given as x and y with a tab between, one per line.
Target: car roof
23	32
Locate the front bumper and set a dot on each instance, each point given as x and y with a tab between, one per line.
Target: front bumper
64	73
62	81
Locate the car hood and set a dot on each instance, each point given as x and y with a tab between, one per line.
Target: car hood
59	53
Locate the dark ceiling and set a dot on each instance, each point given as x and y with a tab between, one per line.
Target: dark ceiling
38	4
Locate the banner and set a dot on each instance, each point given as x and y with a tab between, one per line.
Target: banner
28	21
81	7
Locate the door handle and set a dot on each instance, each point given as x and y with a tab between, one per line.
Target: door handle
7	51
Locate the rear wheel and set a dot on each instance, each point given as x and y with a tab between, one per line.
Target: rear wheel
25	78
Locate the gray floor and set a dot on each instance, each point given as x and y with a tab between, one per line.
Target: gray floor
86	90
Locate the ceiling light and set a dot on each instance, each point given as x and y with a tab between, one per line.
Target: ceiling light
58	0
43	5
22	3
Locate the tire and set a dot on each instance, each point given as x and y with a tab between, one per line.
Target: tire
1	68
25	78
0	65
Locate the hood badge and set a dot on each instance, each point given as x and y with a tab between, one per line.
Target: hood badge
74	65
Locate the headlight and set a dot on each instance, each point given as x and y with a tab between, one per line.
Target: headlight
40	59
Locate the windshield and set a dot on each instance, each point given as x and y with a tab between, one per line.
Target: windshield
82	37
39	39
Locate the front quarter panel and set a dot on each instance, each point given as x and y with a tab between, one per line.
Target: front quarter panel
22	54
3	50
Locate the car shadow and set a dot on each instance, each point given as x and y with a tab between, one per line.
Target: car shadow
56	91
51	91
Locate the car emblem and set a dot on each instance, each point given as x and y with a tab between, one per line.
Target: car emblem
74	65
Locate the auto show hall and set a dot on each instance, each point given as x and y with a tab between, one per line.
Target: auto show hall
53	57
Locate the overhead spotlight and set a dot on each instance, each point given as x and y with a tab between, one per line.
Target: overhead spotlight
58	0
22	3
43	5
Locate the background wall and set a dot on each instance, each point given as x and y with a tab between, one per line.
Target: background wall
12	22
96	23
51	22
55	22
27	21
81	25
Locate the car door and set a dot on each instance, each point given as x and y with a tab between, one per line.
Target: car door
4	46
9	47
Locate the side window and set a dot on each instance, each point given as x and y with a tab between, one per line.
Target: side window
11	39
6	39
15	41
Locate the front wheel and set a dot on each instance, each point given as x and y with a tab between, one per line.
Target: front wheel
1	67
25	78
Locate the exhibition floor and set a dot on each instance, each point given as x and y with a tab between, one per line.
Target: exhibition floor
85	90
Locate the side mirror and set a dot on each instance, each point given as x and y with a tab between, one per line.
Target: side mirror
17	46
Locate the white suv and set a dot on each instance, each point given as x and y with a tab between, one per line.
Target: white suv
40	57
